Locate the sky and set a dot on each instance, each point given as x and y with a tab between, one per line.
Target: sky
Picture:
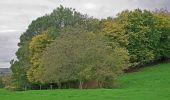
16	15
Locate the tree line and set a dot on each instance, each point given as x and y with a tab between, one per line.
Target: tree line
67	48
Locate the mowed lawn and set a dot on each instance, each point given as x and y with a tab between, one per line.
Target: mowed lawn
149	83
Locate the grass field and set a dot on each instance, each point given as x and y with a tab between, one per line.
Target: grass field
150	83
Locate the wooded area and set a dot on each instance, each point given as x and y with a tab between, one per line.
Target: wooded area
67	49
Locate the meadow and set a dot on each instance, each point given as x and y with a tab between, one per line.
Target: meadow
149	83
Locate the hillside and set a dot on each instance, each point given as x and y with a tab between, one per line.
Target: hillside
149	83
5	71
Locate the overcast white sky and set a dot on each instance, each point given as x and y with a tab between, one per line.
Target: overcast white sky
16	15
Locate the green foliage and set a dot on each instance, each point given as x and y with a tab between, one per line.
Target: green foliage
19	75
36	47
1	82
114	30
163	26
81	55
7	82
93	25
145	34
58	19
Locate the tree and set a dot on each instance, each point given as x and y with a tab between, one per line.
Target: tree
163	26
19	75
1	82
144	34
58	19
81	55
36	47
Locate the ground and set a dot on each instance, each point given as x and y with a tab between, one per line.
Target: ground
149	83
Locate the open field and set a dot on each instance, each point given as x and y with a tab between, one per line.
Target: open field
150	83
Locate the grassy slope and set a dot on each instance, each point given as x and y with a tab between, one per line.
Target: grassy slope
150	83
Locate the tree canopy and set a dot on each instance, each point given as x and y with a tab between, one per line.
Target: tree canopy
81	55
67	46
145	34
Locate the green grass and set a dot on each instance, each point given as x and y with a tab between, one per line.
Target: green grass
150	83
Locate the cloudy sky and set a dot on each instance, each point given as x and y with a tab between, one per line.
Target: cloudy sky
16	15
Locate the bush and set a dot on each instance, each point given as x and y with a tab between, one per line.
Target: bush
1	82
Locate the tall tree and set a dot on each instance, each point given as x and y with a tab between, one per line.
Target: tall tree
36	47
58	19
81	55
144	34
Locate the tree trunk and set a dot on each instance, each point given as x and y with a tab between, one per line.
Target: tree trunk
40	87
51	87
69	85
59	85
25	88
100	84
81	85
